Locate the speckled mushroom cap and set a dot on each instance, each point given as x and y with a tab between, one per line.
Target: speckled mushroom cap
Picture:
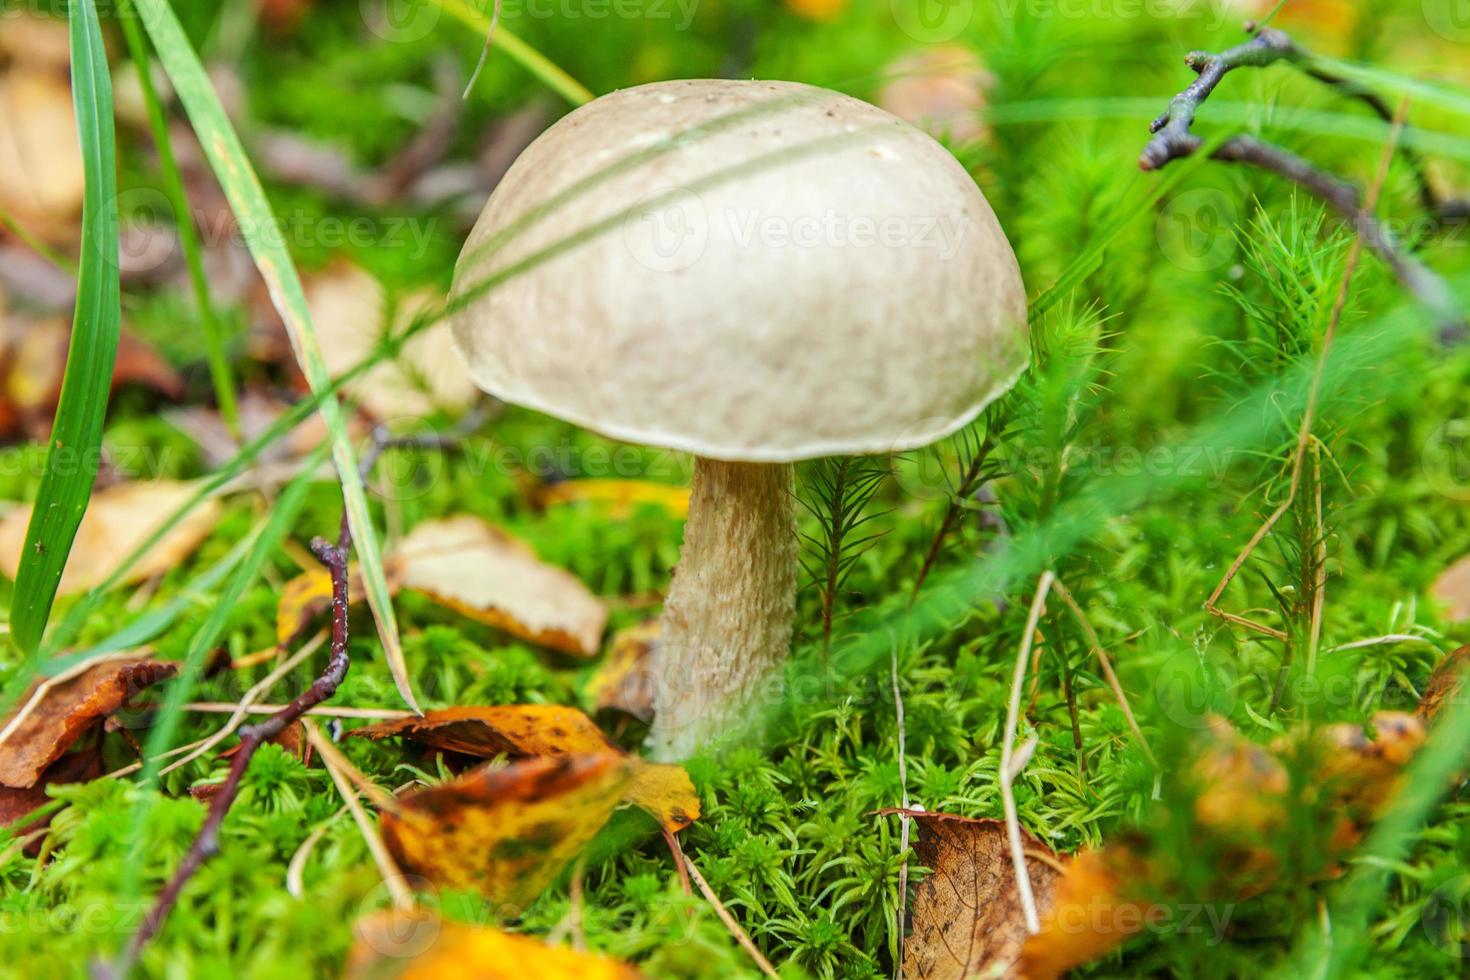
748	271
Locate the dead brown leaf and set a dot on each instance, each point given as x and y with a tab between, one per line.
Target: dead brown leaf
81	766
396	945
118	520
41	178
488	575
1446	685
967	917
50	718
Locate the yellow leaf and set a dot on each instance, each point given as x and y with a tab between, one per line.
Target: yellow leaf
818	10
119	519
620	497
486	574
665	793
506	832
309	595
393	945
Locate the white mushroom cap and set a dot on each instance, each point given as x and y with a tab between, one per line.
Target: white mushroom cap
748	271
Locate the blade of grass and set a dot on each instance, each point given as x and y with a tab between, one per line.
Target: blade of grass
247	199
173	186
76	435
547	71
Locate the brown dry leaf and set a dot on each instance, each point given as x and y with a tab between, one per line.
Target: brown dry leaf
36	41
395	945
34	359
1445	685
940	89
625	681
967	918
506	832
349	308
619	498
75	767
41	179
1453	589
54	715
486	574
119	519
665	792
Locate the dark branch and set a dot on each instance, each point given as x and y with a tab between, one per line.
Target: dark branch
1173	140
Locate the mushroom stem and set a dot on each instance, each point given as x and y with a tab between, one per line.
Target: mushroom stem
727	621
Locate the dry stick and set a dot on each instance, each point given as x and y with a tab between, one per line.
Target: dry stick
252	737
903	819
296	869
1173	140
678	854
388	869
323	711
729	920
1106	664
1304	433
1007	753
236	717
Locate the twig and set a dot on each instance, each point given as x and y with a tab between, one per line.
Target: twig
324	711
1007	753
296	869
252	737
1173	140
968	481
729	920
484	52
903	819
1105	664
678	854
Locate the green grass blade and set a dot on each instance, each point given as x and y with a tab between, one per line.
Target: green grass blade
247	199
76	435
173	186
547	71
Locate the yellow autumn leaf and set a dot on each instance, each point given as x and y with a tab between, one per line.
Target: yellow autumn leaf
394	945
506	832
619	497
665	792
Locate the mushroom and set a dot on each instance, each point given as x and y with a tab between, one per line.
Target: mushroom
755	273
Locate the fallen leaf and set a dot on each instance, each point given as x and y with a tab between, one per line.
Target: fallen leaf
1453	589
34	359
626	679
350	308
36	41
118	520
1088	915
941	89
620	498
41	179
51	716
665	792
506	832
486	732
81	766
486	574
1445	685
967	916
822	11
398	945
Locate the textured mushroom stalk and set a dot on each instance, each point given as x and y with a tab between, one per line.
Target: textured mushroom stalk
727	621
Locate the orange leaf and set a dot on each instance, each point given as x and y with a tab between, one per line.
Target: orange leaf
506	833
52	716
393	945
